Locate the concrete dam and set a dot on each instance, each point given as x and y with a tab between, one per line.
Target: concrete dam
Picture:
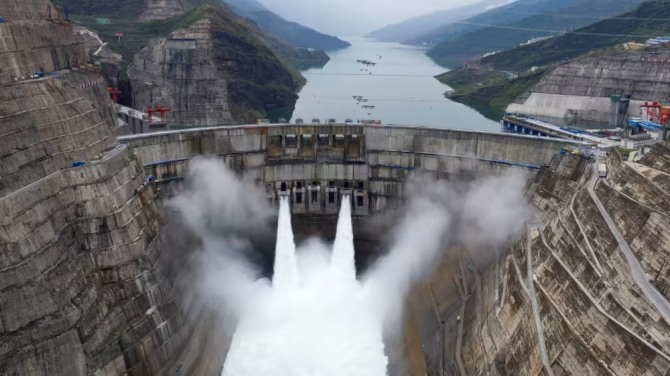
555	302
97	270
371	162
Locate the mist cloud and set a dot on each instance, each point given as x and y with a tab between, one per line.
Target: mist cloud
483	214
228	215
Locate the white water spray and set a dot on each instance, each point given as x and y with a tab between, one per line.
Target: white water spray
286	263
343	261
316	320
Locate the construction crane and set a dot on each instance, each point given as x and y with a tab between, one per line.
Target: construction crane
49	18
114	93
158	109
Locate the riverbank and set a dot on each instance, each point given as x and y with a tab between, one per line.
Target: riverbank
489	92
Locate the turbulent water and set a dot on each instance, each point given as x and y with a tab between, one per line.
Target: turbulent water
286	262
343	250
315	319
401	86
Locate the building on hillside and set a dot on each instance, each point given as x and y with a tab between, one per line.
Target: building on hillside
658	41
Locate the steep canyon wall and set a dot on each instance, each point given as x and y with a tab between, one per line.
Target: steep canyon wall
82	288
216	71
568	298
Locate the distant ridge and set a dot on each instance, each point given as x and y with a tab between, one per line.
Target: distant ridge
506	14
485	40
421	25
651	18
291	32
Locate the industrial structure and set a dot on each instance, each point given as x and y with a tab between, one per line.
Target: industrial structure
141	122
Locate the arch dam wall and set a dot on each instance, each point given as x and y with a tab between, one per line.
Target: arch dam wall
584	291
316	164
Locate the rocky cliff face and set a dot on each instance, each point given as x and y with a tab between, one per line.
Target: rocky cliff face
214	72
82	290
584	293
582	88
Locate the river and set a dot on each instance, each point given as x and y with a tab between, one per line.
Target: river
401	87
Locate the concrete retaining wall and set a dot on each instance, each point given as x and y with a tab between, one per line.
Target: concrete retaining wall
581	89
595	109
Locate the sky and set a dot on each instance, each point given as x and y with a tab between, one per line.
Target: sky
355	17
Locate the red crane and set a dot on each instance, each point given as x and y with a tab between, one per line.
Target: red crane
159	109
49	12
114	93
653	111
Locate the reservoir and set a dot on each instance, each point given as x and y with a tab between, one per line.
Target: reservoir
401	87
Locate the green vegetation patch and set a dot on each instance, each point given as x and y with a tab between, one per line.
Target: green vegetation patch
650	19
464	78
104	8
137	34
624	153
452	53
493	94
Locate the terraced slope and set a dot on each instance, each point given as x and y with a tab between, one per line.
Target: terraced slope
82	290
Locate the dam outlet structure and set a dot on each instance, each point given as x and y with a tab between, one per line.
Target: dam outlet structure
322	323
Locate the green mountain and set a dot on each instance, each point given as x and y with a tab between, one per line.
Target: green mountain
513	12
485	86
292	32
488	92
258	69
651	18
452	53
296	34
112	16
421	25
